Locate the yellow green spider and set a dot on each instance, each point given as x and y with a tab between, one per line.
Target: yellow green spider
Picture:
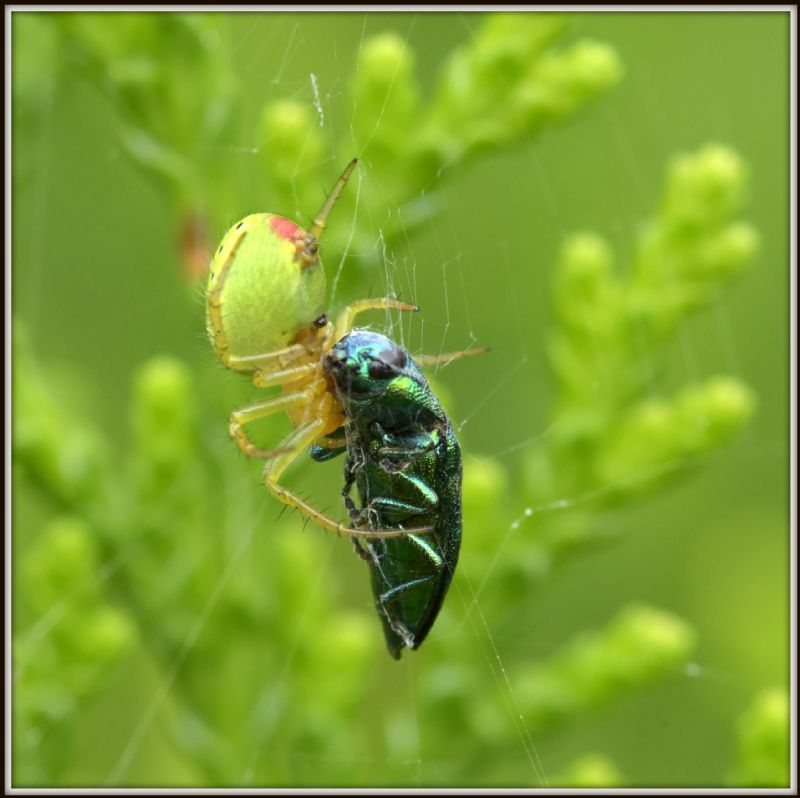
265	318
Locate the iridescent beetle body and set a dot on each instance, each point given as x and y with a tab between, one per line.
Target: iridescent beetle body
405	460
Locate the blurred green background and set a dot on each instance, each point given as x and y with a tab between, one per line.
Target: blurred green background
169	630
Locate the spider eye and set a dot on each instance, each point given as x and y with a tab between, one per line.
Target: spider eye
391	362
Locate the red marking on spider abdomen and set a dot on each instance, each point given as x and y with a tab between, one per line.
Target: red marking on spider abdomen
285	228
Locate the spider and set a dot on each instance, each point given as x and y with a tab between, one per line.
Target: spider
264	317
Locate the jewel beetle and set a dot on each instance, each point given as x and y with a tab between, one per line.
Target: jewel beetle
405	461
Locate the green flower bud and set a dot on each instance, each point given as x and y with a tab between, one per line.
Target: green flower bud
704	189
763	742
386	96
657	434
641	645
595	67
724	255
105	634
586	264
590	770
720	408
163	414
60	564
291	142
564	81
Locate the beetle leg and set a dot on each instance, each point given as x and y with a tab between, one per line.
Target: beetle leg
337	444
364	554
356	516
395	511
397	626
320	452
394	592
329	447
297	441
395	453
397	457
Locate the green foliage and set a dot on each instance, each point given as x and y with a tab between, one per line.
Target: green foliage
166	545
65	656
170	79
763	742
591	770
613	327
507	83
613	437
67	458
640	646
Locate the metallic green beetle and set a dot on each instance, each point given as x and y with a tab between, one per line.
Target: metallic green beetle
404	458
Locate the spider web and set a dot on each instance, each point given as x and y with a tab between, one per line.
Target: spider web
435	269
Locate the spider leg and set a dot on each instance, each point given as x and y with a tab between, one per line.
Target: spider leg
266	362
239	418
291	447
446	358
263	378
345	321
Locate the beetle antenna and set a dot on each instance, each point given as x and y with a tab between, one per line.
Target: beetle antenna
319	222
